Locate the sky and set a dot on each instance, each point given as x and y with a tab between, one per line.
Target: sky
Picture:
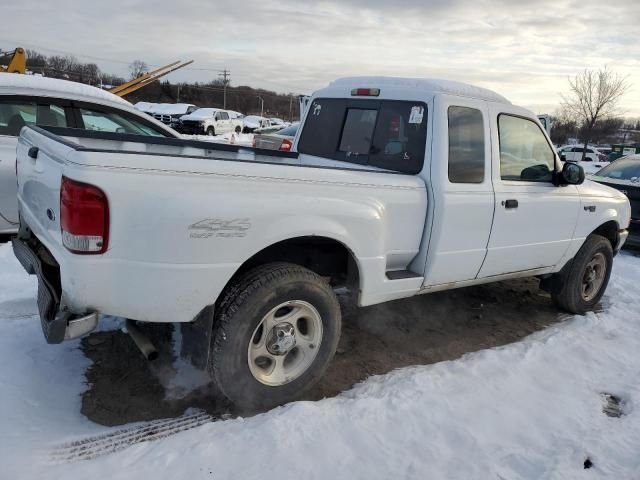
524	50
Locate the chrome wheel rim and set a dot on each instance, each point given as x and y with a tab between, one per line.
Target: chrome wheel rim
285	343
593	277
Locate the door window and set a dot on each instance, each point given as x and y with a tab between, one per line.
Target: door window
466	145
115	123
15	115
525	154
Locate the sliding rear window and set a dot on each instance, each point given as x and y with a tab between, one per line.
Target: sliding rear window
382	133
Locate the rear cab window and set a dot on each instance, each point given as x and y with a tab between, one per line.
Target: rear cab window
388	134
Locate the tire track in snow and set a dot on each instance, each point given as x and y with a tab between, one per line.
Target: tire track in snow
110	442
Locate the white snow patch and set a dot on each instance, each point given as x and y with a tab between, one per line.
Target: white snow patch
527	410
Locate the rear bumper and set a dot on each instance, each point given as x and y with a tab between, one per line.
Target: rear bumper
58	323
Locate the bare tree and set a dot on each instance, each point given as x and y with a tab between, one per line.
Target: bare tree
138	68
594	96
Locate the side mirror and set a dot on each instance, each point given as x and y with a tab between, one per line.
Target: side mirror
572	174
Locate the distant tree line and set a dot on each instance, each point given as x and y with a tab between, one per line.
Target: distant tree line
243	99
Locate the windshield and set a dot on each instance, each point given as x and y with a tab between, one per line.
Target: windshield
622	170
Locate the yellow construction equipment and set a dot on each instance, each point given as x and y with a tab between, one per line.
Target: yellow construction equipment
147	78
18	62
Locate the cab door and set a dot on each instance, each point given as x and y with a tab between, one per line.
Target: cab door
462	190
534	220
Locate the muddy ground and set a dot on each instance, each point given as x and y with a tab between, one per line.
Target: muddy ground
123	387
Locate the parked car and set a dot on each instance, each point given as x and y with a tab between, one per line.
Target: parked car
278	121
624	175
209	121
253	122
398	187
573	153
34	100
281	140
170	113
593	161
267	130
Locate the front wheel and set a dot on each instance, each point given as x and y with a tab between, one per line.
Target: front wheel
275	332
580	286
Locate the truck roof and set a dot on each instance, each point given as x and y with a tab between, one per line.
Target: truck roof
38	86
428	85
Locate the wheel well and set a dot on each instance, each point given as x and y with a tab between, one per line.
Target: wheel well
325	256
608	230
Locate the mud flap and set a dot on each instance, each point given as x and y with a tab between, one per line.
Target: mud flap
196	338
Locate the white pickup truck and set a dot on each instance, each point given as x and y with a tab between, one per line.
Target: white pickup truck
209	121
398	187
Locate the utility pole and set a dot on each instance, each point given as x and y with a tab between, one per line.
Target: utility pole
290	106
226	79
261	105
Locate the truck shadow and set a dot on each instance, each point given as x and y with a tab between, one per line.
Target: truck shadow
123	387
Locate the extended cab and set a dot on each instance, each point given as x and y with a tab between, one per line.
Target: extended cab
398	187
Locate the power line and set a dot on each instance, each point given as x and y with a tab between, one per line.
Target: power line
124	62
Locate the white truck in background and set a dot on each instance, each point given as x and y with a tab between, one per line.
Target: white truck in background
398	187
209	121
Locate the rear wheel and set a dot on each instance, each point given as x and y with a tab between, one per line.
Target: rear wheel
211	131
580	286
238	129
275	332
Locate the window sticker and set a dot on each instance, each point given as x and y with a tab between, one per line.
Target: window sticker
316	108
416	115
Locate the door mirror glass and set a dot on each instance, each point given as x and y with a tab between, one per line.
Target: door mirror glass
572	174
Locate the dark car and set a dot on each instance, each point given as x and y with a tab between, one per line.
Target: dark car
624	175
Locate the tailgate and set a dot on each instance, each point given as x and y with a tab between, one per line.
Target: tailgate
40	157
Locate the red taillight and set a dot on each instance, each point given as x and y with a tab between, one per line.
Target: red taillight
253	143
84	217
286	145
365	92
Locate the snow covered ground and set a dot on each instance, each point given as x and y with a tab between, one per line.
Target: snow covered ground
527	410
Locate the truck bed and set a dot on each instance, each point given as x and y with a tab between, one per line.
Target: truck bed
185	215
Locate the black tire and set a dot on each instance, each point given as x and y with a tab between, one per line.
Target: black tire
238	129
241	310
567	285
211	131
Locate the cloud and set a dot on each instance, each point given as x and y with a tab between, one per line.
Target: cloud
522	49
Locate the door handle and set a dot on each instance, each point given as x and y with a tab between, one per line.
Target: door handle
511	203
